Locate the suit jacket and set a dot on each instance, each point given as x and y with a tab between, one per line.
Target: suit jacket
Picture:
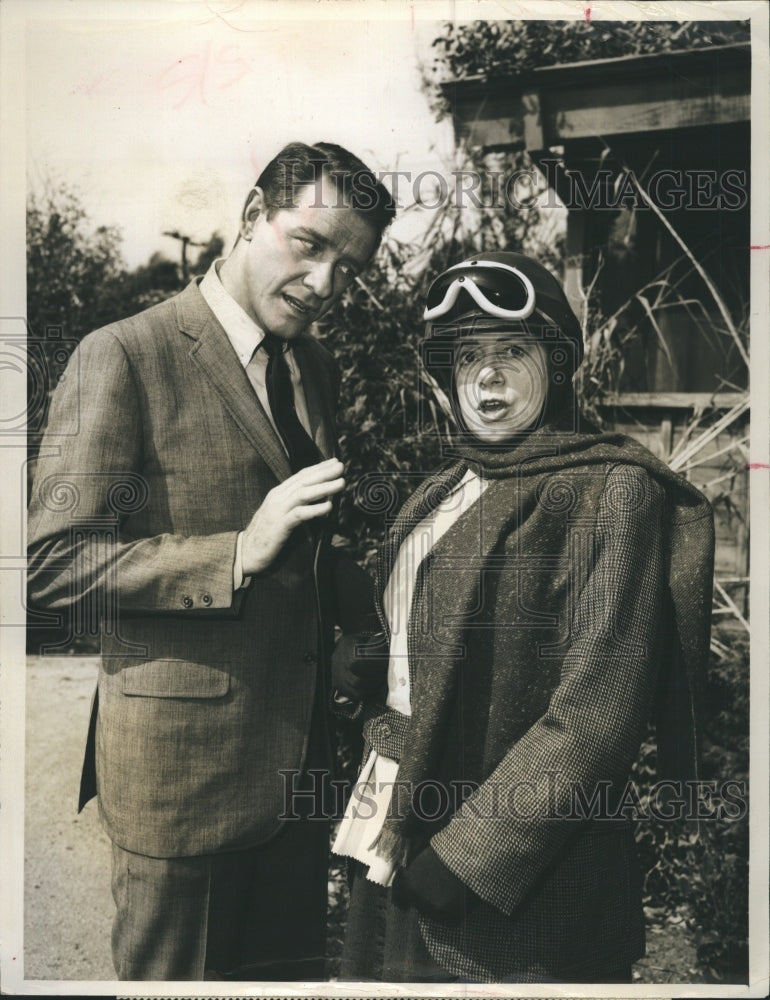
157	453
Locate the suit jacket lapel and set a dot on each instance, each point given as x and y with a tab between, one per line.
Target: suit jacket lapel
215	357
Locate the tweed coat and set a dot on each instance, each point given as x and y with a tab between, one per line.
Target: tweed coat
157	453
535	638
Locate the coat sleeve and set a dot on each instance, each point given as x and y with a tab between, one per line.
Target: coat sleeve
88	480
592	728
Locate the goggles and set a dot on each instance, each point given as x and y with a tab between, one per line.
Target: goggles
490	286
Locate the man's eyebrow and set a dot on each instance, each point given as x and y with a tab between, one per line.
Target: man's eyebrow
309	231
325	242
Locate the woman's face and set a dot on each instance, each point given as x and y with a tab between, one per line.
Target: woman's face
501	383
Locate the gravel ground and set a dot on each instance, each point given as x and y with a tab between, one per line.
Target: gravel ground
68	906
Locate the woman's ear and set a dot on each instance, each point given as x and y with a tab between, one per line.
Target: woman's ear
255	205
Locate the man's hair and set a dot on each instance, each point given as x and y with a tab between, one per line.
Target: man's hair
299	165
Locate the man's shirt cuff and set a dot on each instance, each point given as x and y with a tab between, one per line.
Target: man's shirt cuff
239	580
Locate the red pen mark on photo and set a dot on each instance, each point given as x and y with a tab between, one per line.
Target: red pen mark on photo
588	15
195	75
93	85
759	465
760	246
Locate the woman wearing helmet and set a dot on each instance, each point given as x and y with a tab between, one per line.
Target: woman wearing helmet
539	595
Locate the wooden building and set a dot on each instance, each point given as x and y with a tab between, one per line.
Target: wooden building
651	156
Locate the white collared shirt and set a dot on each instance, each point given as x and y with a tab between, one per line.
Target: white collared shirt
399	591
369	804
245	337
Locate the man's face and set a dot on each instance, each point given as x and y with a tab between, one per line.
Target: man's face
300	261
501	382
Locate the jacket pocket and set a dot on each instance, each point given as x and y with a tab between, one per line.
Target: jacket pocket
176	679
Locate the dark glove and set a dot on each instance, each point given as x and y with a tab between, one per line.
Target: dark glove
360	665
429	886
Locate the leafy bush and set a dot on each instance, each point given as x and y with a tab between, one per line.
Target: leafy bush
507	48
699	871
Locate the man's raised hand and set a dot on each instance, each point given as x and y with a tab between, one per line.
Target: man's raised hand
304	496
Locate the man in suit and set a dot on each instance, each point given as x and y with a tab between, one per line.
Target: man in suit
182	497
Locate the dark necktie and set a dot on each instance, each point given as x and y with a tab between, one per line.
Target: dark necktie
280	395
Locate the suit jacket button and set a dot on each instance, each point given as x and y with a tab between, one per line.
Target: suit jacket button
309	657
206	598
187	601
384	730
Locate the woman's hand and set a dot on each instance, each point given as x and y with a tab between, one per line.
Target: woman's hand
360	665
429	886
